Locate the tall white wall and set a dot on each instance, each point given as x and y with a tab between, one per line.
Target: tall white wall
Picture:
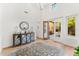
0	29
12	15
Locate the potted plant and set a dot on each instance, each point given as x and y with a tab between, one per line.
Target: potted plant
76	52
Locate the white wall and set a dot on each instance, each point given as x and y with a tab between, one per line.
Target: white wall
66	10
12	14
0	29
63	10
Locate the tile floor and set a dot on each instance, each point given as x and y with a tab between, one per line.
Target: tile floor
68	50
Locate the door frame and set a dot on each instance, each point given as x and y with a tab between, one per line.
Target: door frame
47	31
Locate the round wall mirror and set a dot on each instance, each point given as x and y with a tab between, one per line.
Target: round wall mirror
24	25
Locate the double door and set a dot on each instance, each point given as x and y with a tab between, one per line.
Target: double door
51	29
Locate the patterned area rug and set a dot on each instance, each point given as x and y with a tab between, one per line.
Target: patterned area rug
40	49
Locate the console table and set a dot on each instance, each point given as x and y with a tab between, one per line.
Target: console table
23	38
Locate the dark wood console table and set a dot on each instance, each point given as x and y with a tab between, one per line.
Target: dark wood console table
23	38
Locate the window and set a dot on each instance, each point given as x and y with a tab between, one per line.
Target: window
58	26
71	26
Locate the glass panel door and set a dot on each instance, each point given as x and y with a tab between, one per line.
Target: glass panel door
57	28
54	29
51	29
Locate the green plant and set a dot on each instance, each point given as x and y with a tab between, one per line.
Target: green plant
71	26
76	52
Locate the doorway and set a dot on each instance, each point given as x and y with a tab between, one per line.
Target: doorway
51	29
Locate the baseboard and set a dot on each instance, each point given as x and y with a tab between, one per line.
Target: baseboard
39	38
